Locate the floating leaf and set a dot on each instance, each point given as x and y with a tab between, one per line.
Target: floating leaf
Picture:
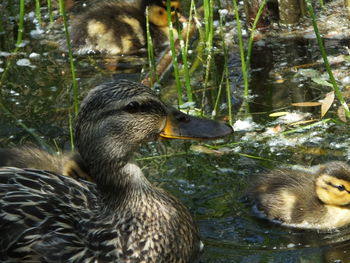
322	82
307	104
279	114
308	72
327	103
279	81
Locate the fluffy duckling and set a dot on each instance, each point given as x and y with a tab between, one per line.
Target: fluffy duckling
46	217
68	164
120	28
318	200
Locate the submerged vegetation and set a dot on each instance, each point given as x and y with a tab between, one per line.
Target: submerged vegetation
283	88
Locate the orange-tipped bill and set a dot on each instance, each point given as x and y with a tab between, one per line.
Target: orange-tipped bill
183	126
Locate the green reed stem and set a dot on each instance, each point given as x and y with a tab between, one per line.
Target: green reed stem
49	8
251	37
216	105
37	11
71	60
174	55
225	76
192	11
208	18
198	60
298	129
241	50
150	53
325	59
209	33
71	133
185	66
21	23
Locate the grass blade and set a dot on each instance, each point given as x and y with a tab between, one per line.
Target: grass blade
325	59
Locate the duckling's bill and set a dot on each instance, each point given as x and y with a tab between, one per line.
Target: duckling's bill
183	126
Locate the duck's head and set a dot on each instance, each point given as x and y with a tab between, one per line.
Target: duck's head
115	118
157	11
333	184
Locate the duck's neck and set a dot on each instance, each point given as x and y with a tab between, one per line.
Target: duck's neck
119	180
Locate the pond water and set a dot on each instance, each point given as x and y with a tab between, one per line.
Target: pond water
36	90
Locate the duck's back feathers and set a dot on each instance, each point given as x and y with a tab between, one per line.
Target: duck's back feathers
51	218
43	211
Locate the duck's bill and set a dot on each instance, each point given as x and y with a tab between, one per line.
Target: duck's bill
183	126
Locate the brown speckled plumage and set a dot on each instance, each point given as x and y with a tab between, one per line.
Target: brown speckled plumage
46	217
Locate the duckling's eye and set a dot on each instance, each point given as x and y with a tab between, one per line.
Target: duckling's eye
341	187
132	107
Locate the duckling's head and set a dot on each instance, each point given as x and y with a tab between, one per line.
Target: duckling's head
333	184
74	167
157	11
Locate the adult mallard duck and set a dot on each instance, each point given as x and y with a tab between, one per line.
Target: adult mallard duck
67	163
45	217
297	198
120	28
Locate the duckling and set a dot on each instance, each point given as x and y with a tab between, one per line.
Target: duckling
46	217
120	28
297	198
67	163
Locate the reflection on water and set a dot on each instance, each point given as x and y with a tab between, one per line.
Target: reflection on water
38	95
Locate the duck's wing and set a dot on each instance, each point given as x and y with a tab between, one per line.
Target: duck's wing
40	216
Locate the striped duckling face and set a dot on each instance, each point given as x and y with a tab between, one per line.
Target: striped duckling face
157	11
333	184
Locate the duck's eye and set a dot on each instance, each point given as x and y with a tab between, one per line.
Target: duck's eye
132	107
341	187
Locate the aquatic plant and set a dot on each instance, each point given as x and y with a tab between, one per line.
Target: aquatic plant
184	52
70	55
174	55
245	59
152	70
37	11
325	59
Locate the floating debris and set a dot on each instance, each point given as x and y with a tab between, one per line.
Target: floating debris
245	125
34	55
24	62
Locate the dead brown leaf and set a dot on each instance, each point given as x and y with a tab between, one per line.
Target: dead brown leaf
327	103
307	104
